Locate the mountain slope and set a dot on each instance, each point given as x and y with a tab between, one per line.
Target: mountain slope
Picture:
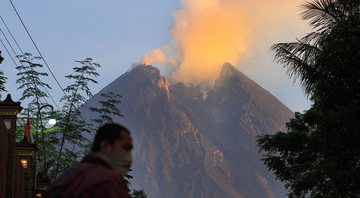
198	141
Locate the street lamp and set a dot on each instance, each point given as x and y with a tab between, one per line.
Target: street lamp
51	118
52	121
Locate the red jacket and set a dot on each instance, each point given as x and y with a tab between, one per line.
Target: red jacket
92	178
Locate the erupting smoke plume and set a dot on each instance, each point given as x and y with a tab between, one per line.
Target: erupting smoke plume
208	33
155	56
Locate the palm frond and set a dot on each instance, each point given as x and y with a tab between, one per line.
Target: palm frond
312	38
321	13
298	58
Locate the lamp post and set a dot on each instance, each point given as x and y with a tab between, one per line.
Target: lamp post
52	118
41	184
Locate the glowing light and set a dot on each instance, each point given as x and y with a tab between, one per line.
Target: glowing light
24	163
52	121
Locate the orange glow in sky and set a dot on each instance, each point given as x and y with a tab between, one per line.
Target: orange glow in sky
208	35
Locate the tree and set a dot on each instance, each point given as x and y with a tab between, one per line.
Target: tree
108	108
319	156
31	82
105	113
2	77
139	194
2	82
72	140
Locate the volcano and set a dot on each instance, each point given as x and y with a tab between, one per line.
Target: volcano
196	140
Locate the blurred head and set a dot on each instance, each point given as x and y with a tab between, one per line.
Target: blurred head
113	143
108	135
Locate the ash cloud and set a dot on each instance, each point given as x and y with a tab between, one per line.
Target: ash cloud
208	33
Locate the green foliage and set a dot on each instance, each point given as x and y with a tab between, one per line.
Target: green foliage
319	156
61	145
79	91
108	108
139	193
31	81
295	156
72	141
2	81
337	25
30	78
47	151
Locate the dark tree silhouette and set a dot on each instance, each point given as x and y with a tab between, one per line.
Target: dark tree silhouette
319	156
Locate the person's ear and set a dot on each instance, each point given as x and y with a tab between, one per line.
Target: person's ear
105	146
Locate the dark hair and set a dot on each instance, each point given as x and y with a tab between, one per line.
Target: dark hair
109	132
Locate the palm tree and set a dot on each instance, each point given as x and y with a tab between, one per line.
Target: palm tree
300	58
319	155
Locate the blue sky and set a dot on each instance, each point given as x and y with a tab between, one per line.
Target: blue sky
117	34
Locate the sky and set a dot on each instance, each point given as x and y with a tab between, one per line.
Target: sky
187	40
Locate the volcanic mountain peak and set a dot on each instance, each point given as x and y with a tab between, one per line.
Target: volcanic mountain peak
143	74
228	70
196	140
147	72
147	69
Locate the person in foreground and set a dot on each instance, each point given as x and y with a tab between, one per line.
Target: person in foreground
101	173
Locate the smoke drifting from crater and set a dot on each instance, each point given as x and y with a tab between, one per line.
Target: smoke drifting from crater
208	33
155	56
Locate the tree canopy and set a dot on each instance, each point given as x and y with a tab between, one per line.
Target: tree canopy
319	155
